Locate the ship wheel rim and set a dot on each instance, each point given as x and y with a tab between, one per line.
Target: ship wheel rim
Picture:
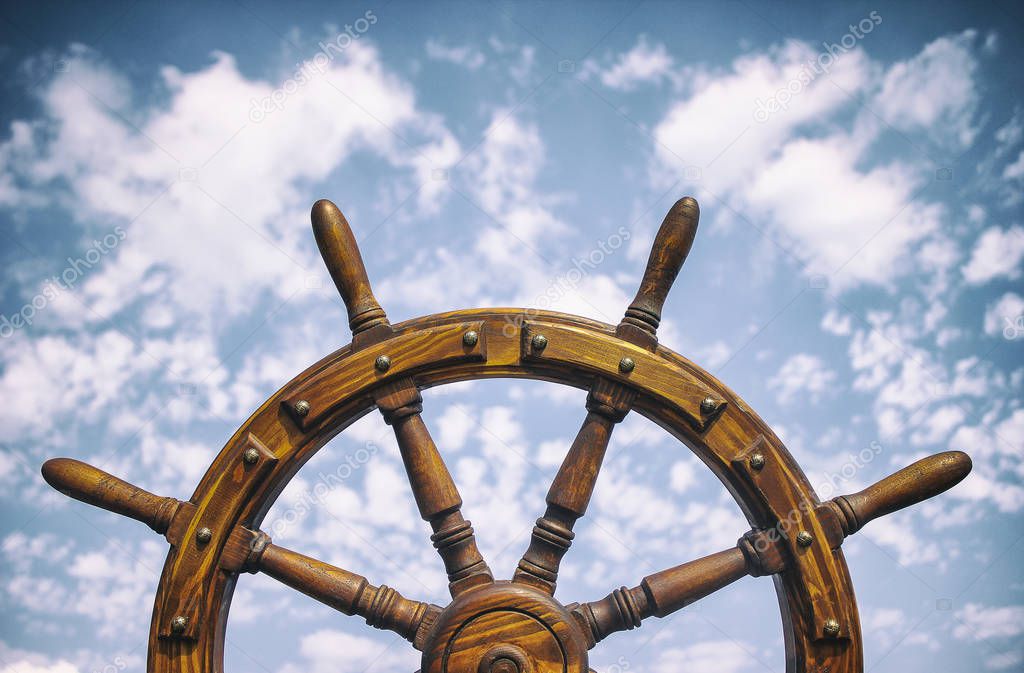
503	334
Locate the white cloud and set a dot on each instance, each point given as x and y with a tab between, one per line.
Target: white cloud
843	217
682	476
934	91
466	55
982	622
192	165
454	426
802	374
1003	317
320	651
997	253
1015	170
644	63
834	323
897	533
60	666
859	226
713	656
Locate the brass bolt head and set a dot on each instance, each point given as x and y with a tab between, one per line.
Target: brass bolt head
626	365
708	405
470	338
804	539
831	628
301	408
178	624
382	363
204	535
539	342
251	456
757	461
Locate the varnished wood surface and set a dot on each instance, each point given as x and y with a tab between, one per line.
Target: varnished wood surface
345	264
291	447
495	626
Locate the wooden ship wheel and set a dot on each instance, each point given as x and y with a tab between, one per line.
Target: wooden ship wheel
492	625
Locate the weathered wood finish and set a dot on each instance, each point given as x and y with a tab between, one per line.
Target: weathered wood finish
382	607
665	592
503	627
607	404
436	496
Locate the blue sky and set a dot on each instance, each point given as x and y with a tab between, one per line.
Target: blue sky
856	279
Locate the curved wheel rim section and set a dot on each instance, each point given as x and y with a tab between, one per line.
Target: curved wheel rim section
814	589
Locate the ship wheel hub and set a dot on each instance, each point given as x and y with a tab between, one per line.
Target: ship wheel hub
505	627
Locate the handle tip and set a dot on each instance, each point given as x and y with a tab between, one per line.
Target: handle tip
958	464
323	212
340	252
55	472
671	245
687	203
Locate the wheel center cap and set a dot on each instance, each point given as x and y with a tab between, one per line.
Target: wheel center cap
505	628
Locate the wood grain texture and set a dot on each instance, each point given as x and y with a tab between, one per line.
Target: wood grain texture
345	264
671	246
919	481
608	402
382	607
409	354
436	496
504	617
665	592
92	485
814	582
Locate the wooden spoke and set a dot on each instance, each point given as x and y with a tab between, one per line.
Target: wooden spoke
252	551
95	487
495	626
436	495
382	607
338	248
400	403
662	593
570	492
607	404
760	552
844	515
671	246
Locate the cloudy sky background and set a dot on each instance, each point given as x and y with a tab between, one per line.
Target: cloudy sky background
856	278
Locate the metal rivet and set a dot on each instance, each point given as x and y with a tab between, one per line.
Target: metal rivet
757	461
204	535
251	456
708	405
831	628
301	408
626	365
470	338
804	539
539	342
178	624
382	363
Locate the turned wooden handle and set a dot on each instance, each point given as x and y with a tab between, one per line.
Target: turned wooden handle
92	485
382	607
341	255
922	480
665	592
671	246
